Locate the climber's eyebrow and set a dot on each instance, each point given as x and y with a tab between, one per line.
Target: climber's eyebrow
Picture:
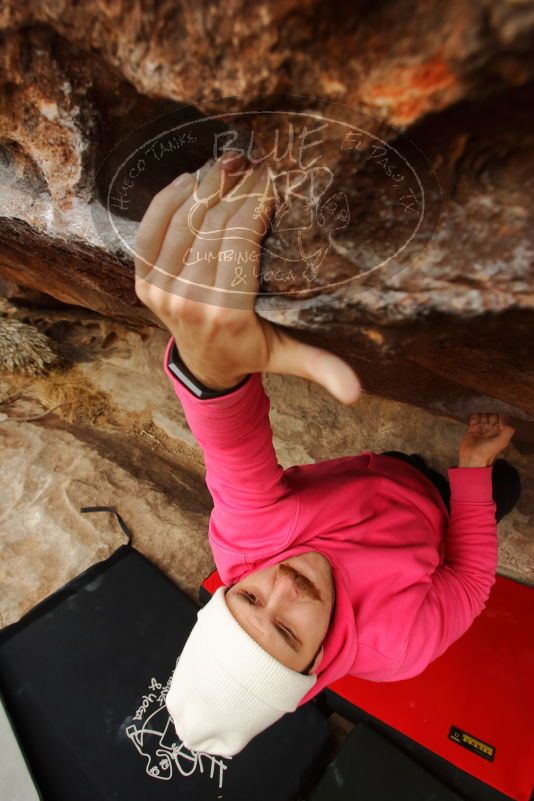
293	642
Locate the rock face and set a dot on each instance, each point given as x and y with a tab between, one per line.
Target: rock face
408	248
446	328
108	430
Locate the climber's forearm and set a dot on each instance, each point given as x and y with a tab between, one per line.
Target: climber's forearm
235	435
460	586
471	541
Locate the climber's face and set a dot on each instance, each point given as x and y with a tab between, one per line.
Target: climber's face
286	608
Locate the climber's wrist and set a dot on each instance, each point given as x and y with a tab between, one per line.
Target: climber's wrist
473	461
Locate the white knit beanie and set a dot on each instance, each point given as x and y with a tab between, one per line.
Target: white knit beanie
226	688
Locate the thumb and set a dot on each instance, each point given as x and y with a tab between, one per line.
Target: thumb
291	357
506	432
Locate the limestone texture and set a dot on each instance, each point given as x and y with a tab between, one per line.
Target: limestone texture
416	265
108	430
446	329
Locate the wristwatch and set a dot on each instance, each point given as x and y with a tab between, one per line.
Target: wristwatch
191	382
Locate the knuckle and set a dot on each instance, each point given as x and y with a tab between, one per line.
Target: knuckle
142	288
140	240
169	192
223	318
184	181
166	198
217	316
143	241
215	218
160	200
154	298
179	223
187	310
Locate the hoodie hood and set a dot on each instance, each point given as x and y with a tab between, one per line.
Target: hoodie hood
340	644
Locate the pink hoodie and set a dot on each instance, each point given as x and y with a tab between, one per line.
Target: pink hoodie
409	579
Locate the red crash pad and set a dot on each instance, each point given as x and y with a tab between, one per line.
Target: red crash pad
474	705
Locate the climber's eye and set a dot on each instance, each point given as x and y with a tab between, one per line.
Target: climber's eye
288	635
249	597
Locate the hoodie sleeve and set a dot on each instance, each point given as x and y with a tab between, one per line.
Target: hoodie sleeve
459	588
254	509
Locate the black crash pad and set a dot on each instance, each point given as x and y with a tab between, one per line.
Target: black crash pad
370	768
84	677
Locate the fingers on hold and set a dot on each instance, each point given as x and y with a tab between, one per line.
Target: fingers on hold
504	422
180	223
184	179
216	217
175	192
216	182
246	185
232	164
263	177
162	207
255	210
232	170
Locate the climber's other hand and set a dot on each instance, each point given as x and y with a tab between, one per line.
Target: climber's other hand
486	436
